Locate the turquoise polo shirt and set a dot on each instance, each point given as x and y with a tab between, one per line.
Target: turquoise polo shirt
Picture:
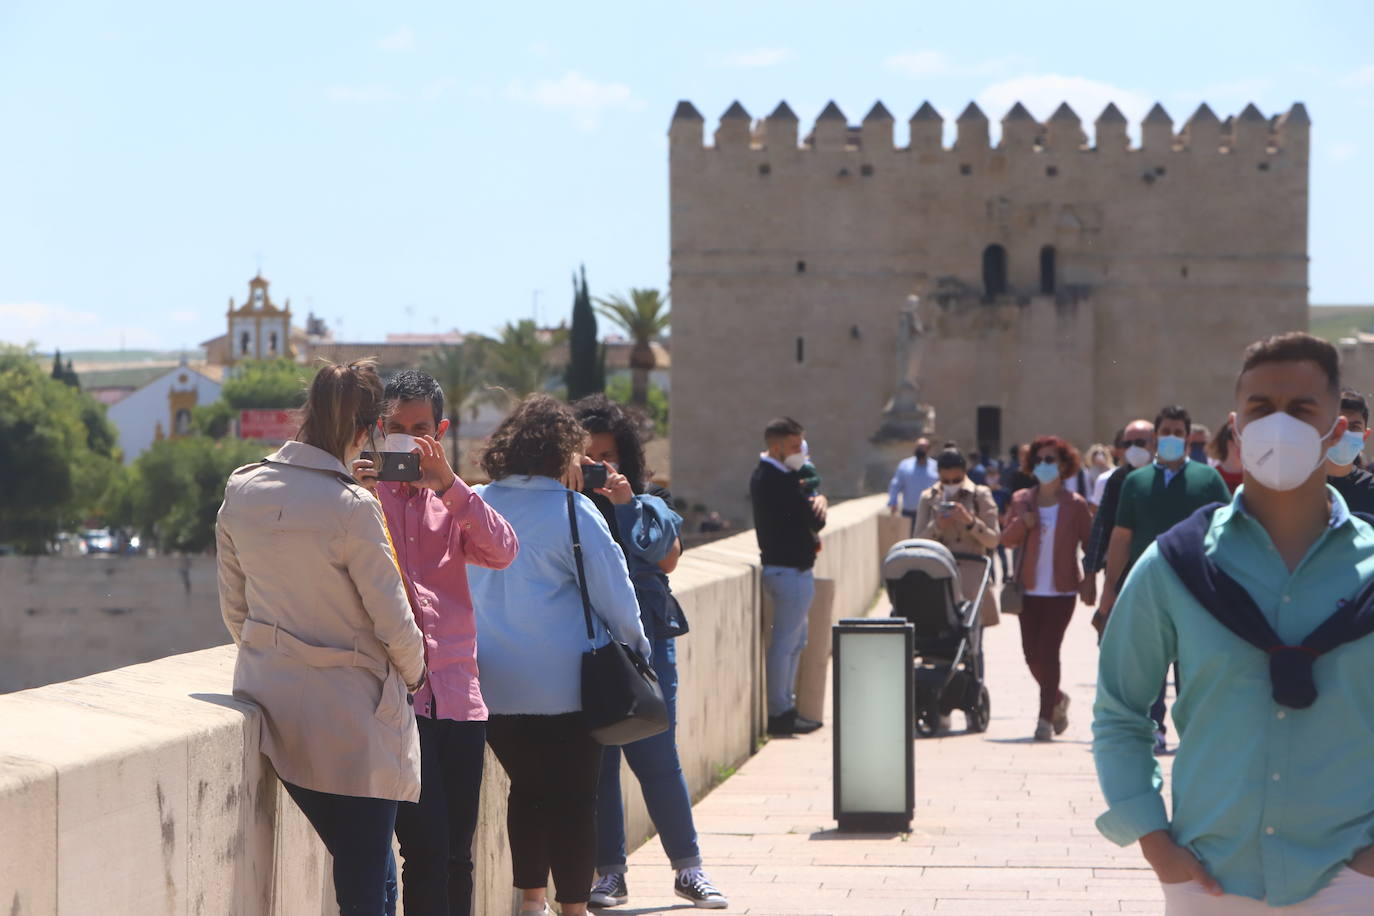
1272	800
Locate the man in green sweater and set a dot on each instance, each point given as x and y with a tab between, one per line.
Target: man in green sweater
1154	499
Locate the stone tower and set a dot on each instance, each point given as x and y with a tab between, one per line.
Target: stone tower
1056	285
259	329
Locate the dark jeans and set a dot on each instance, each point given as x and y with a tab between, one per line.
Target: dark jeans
655	764
436	834
357	833
1159	707
1043	623
553	763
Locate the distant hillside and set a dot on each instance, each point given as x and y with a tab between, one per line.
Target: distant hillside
1331	322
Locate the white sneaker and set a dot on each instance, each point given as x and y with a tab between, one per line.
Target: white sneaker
692	884
1044	730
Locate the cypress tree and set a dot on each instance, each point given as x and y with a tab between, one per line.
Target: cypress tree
586	372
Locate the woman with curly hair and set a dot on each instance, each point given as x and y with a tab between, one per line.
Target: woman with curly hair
1049	524
531	636
645	525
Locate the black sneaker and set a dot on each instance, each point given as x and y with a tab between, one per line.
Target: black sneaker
785	724
609	890
692	884
801	725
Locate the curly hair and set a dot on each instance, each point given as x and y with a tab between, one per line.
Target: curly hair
599	414
537	439
1068	456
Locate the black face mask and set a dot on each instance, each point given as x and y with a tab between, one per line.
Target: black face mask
920	454
1198	452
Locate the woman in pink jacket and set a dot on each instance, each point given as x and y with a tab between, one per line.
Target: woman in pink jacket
1049	525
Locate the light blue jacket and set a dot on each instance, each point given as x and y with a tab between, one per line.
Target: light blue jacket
1272	800
530	628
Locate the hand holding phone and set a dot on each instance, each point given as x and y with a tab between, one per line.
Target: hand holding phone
593	477
397	466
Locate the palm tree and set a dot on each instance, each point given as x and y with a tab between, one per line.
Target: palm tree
459	370
518	360
644	317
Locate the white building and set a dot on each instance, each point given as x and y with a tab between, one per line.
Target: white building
161	409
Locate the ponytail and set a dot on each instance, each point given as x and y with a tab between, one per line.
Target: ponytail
342	401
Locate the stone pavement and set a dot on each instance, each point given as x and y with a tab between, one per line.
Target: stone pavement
1002	824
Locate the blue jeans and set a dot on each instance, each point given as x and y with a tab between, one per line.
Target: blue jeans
791	590
436	833
357	833
655	764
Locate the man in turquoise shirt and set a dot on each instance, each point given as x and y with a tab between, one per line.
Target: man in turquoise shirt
1270	803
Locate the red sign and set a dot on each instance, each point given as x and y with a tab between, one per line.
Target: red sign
268	425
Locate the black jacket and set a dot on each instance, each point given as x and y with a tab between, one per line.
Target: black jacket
783	520
1357	489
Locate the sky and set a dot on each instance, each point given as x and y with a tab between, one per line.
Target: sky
416	166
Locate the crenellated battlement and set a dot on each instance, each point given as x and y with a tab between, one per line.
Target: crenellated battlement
1203	131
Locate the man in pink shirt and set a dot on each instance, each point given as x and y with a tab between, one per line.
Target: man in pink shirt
438	526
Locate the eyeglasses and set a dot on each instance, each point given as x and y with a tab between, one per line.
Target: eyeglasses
1143	443
1048	459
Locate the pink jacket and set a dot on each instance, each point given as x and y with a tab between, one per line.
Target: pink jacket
1070	533
436	537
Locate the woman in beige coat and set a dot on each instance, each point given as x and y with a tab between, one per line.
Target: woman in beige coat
328	649
967	524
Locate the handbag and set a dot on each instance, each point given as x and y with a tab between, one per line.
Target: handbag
1013	590
622	701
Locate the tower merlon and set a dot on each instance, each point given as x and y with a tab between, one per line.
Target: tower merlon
927	128
1020	131
779	129
734	130
876	131
1064	130
1111	130
688	127
971	129
832	129
1250	131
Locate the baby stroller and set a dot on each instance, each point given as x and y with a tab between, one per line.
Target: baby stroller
925	588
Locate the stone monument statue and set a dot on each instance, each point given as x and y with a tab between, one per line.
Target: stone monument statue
905	418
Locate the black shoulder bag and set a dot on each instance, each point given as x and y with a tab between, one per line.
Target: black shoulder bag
622	701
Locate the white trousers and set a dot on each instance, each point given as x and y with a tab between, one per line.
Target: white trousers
1349	894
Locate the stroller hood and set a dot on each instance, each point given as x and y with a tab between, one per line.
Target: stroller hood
930	558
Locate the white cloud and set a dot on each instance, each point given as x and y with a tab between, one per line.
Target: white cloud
361	95
439	88
1042	93
582	99
403	39
1342	152
755	58
1358	79
57	326
928	64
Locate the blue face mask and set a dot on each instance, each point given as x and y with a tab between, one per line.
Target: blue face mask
1046	472
1347	450
1170	448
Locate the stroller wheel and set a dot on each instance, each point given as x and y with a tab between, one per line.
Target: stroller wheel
981	714
927	725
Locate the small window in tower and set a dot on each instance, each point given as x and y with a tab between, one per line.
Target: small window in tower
801	267
1263	166
994	271
182	426
865	170
765	168
243	344
272	343
1047	270
1051	170
801	349
965	169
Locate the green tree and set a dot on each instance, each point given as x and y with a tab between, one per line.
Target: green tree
65	374
518	360
461	372
173	491
214	420
57	450
643	317
586	372
618	389
265	383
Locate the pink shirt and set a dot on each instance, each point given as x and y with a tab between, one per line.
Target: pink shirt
435	538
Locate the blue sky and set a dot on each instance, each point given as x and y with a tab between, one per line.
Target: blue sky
402	167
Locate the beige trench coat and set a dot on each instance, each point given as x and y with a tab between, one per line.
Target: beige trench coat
981	539
311	593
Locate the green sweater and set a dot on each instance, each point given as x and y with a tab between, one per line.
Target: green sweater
1148	508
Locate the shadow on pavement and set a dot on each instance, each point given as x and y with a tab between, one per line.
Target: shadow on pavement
833	834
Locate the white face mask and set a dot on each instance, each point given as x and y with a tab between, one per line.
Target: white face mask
1280	451
399	442
795	461
1137	457
951	491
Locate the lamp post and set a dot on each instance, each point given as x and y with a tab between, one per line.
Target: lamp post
874	775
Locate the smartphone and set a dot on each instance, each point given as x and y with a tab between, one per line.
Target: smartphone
397	466
593	477
946	508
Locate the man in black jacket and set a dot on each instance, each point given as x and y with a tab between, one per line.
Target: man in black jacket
785	521
1344	470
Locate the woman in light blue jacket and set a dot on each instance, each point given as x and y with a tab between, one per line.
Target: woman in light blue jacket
530	639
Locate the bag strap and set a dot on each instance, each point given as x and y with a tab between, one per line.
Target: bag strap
581	570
